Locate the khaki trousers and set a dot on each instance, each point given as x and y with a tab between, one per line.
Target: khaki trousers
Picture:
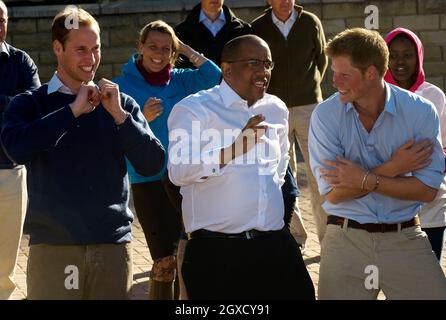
13	200
75	272
297	225
356	264
299	123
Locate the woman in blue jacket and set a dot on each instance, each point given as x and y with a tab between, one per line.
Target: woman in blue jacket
149	77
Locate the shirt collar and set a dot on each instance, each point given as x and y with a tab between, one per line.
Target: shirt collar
4	49
230	97
291	19
389	105
203	17
56	84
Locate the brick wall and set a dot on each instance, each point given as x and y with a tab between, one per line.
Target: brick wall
120	22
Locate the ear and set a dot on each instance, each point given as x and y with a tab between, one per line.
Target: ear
371	73
226	70
140	45
57	47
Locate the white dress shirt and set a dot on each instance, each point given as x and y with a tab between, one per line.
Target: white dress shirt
246	193
213	26
286	26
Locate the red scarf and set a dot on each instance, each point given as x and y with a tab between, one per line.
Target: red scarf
160	78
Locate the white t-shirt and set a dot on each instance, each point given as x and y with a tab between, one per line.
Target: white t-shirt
433	214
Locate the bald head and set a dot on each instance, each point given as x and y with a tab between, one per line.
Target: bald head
233	48
246	67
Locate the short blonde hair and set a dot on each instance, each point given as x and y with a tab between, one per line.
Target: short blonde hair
364	48
60	31
163	27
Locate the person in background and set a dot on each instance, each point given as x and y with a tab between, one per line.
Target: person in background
18	74
149	77
406	71
207	28
74	137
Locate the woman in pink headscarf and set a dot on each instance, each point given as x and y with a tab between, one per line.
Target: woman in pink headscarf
406	71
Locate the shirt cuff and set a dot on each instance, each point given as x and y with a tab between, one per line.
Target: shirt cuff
211	164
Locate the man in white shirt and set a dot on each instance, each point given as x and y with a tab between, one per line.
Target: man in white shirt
229	153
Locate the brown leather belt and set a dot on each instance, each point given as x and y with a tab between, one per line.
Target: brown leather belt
373	227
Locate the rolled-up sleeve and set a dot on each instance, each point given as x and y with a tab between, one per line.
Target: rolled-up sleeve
323	144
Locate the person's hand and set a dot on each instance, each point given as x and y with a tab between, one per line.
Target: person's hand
87	99
152	109
193	56
344	173
184	49
411	157
111	100
251	134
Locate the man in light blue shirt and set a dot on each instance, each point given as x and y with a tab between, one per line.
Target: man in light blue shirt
376	153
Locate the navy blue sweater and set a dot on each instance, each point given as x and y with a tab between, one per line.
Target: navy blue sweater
77	178
18	73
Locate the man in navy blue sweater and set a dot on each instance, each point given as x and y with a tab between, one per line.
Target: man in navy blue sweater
74	136
18	73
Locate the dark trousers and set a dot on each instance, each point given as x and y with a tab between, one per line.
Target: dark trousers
436	238
267	267
159	219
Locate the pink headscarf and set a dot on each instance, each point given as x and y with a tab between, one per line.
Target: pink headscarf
420	54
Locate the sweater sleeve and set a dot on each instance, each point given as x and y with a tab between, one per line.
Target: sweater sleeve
29	74
143	150
205	77
25	133
28	77
321	58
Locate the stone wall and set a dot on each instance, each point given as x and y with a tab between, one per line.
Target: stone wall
120	21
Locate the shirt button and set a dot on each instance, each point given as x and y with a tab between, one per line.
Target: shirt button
213	170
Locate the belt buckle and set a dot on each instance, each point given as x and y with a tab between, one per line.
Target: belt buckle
249	234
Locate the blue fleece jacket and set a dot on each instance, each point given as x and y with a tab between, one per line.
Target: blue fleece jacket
182	83
77	178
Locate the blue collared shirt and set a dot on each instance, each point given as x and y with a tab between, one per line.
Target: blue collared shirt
56	84
213	26
335	129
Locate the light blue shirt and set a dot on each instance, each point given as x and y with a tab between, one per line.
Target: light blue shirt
56	84
335	129
213	26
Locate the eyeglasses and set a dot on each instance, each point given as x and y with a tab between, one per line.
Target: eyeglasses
256	64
